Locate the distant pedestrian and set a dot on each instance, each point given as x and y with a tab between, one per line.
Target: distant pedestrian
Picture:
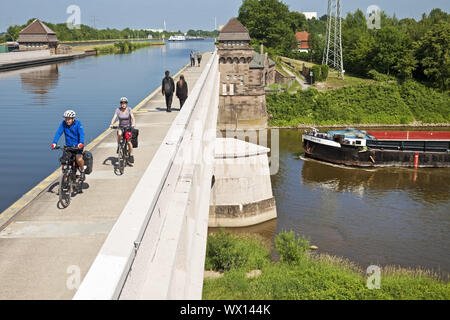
182	91
199	58
192	58
168	87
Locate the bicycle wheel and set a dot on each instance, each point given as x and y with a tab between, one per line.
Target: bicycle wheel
65	190
121	159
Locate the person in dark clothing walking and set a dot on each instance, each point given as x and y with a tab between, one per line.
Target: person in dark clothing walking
182	91
168	87
192	58
199	58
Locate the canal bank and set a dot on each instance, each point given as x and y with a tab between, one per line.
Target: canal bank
55	241
18	60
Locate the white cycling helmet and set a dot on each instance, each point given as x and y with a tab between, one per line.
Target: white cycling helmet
69	114
123	99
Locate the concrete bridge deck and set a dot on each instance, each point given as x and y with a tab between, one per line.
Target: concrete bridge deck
42	247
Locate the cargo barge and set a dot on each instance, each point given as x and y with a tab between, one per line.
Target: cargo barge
413	149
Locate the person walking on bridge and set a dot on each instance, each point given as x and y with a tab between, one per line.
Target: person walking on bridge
74	134
182	91
192	58
168	88
199	58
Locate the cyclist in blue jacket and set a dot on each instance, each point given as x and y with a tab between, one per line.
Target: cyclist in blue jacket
74	134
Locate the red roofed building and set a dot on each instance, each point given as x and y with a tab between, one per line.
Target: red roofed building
302	39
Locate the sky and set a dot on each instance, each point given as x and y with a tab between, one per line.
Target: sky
181	14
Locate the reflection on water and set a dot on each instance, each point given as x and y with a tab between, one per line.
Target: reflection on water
39	81
425	185
385	216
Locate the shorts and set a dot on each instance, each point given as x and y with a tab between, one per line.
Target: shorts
79	151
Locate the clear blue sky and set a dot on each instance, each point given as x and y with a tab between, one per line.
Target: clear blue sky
181	14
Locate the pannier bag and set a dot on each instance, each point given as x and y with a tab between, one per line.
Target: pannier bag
65	158
88	162
134	138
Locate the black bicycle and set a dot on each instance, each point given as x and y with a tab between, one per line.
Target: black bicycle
70	182
123	149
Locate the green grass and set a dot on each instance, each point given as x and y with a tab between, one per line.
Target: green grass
300	275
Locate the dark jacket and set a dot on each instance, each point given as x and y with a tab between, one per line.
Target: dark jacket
182	91
171	83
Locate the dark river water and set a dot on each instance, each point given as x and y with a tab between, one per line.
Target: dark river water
33	100
372	217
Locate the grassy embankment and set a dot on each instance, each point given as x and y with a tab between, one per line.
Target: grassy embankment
357	101
302	275
120	47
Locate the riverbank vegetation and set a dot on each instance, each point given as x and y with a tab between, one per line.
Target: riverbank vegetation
300	274
122	47
403	48
378	102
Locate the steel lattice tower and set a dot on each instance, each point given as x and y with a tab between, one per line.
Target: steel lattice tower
332	55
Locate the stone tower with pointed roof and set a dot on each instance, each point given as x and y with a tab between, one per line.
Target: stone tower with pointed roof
244	74
37	36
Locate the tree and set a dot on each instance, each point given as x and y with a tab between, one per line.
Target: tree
390	45
297	21
434	56
268	21
406	65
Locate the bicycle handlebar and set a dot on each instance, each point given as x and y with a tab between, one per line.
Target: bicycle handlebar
66	148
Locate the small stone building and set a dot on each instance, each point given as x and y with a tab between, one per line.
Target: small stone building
244	74
37	36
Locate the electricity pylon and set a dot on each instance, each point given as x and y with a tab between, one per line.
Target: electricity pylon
332	56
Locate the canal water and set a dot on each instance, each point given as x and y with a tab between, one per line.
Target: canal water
372	217
33	100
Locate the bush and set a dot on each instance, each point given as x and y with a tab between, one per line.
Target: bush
316	73
324	72
375	75
225	251
363	104
427	105
290	248
300	276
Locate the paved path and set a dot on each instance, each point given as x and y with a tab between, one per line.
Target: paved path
302	81
43	247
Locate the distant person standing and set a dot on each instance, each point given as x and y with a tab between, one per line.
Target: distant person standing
199	58
192	58
168	87
182	91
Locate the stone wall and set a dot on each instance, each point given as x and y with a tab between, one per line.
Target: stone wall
241	194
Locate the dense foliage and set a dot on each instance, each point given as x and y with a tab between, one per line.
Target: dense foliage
404	48
299	274
372	103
